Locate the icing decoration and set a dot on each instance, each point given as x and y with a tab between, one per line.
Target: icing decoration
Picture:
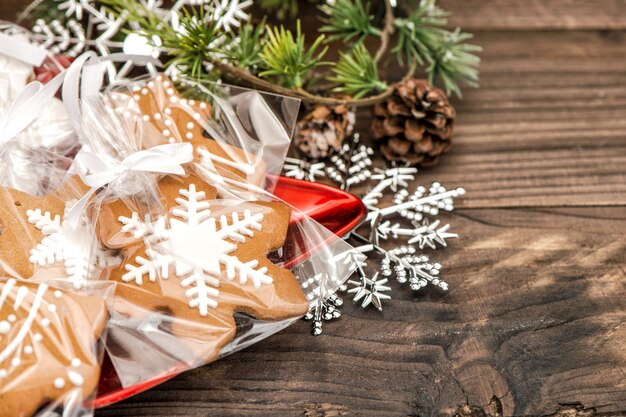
74	247
207	160
198	246
18	346
164	120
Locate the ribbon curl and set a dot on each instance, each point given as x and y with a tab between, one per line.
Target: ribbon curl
97	172
28	107
22	50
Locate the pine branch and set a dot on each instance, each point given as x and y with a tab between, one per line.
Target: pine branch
198	38
279	60
357	73
348	20
288	59
387	31
419	33
188	45
246	47
454	62
243	75
283	8
422	38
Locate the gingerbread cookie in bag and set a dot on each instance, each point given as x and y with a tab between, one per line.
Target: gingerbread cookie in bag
37	241
167	117
202	262
48	355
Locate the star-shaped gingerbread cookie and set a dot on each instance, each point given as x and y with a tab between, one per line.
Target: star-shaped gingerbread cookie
200	262
48	349
38	242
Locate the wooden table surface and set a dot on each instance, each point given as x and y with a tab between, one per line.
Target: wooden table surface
534	323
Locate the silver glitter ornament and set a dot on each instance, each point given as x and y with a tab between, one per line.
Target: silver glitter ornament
410	220
324	309
321	291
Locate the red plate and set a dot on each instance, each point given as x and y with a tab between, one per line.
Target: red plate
337	210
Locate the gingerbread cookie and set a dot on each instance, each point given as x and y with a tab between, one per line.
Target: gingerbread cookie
167	117
36	240
202	262
47	346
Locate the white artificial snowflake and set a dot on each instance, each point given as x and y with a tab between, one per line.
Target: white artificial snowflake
227	13
424	234
354	165
179	4
76	247
197	246
370	290
92	26
72	8
230	13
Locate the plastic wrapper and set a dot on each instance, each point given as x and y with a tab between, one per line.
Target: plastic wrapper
37	241
26	155
14	73
252	129
51	346
52	307
211	261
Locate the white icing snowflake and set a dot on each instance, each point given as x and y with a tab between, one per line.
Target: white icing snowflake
74	247
197	246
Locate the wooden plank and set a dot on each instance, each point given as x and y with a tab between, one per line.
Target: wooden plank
10	9
547	126
536	316
478	15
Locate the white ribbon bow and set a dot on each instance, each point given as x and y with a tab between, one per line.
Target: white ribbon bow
96	172
35	97
28	107
22	50
85	78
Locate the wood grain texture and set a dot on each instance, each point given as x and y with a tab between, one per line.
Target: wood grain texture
536	317
480	15
547	126
10	8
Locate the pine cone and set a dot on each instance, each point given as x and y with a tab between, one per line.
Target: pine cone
322	130
415	124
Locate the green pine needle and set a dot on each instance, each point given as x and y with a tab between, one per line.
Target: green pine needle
247	45
347	20
196	41
454	62
283	57
282	8
288	59
419	33
357	73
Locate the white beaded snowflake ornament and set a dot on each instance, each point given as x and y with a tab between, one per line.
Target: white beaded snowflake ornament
90	25
411	220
